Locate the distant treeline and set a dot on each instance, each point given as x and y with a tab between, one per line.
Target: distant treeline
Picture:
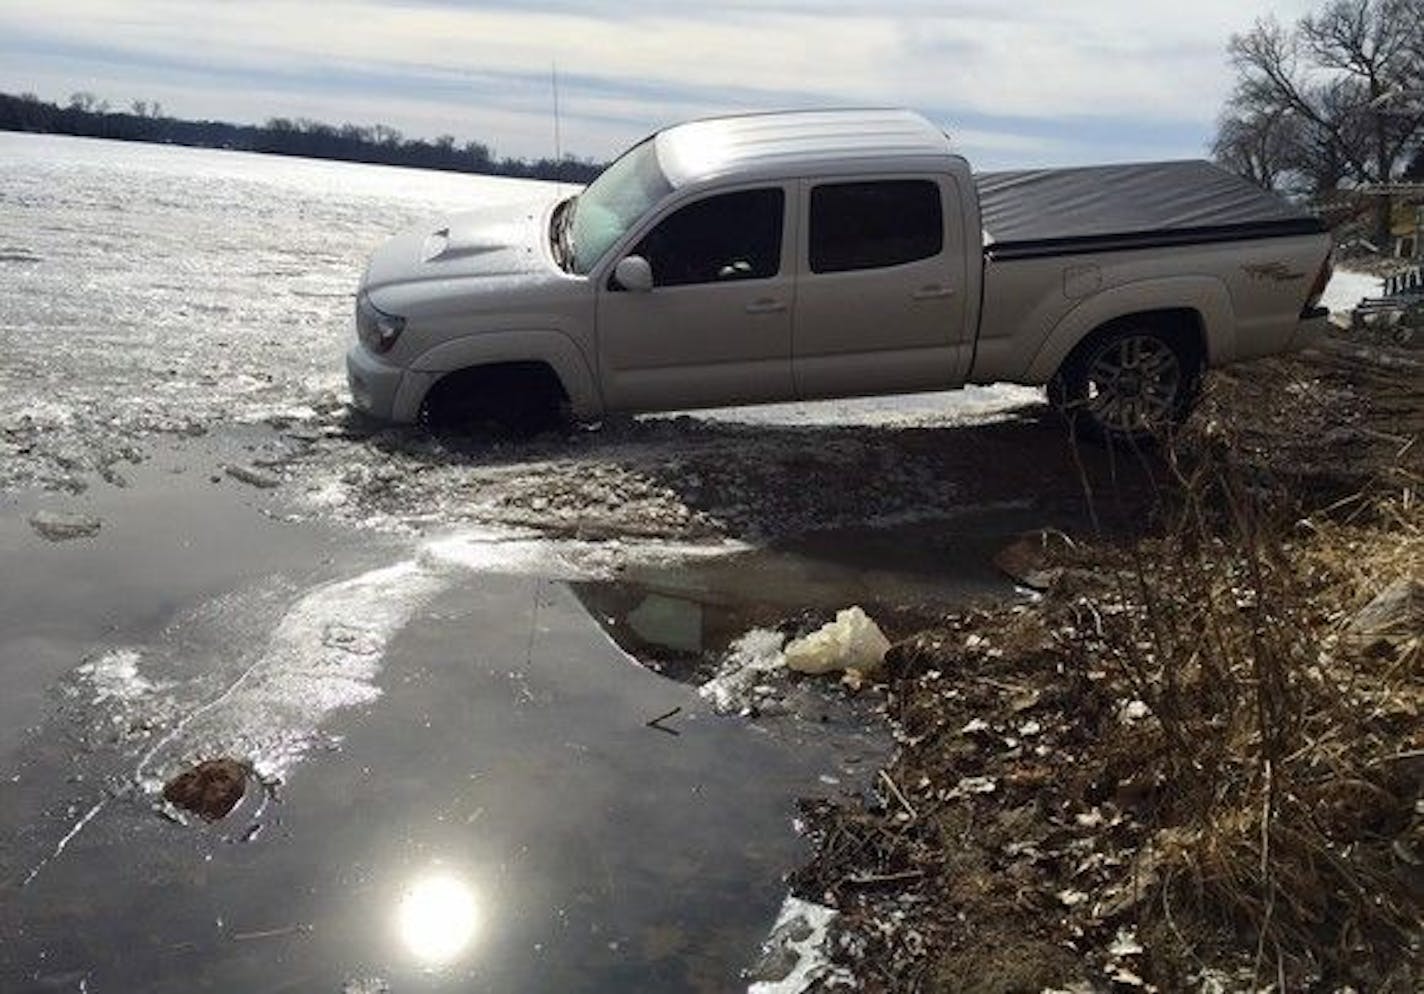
91	117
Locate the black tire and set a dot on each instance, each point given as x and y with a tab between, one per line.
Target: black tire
1129	384
517	400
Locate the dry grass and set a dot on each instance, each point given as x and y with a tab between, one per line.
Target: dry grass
1288	811
1219	764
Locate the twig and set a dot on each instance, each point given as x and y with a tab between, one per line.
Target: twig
889	783
658	722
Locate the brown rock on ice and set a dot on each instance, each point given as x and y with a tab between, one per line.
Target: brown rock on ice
211	789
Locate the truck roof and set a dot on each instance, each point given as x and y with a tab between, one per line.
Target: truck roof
794	142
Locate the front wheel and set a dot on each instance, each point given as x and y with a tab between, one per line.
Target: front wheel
1128	386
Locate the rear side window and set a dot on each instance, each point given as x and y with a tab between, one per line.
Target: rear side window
873	225
734	236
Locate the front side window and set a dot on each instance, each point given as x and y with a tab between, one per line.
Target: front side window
733	236
871	225
614	202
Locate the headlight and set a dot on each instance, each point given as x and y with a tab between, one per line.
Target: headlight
376	329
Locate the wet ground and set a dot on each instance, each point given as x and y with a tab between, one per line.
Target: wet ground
439	658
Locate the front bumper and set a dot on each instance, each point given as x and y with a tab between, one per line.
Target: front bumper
384	391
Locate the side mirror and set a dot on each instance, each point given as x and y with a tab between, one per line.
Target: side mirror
634	273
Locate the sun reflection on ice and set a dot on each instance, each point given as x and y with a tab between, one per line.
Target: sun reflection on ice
437	918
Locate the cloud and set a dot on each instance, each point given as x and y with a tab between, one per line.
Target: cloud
1032	78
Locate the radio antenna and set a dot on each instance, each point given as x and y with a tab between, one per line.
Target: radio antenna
558	138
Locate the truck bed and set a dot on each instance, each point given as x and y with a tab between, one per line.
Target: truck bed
1044	212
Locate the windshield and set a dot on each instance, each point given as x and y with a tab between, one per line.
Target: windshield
623	192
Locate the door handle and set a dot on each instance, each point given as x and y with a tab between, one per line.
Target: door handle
765	306
933	291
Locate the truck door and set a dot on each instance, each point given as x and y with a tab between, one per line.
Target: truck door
716	327
880	293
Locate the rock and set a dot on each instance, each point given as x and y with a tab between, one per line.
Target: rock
852	641
59	526
1025	559
1397	610
211	789
251	476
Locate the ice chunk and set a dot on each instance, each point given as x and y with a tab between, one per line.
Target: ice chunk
57	526
795	957
749	659
252	476
852	642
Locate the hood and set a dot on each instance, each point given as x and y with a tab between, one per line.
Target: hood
502	241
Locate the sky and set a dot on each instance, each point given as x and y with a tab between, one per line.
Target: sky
1032	82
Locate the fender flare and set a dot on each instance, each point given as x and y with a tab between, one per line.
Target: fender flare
557	350
1204	295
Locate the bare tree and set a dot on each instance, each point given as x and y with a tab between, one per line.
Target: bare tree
1260	143
1333	76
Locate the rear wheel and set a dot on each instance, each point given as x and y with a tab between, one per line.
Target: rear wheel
1128	385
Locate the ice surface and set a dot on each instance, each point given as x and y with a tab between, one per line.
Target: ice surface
149	289
324	655
264	696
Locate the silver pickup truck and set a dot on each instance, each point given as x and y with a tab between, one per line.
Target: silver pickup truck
817	254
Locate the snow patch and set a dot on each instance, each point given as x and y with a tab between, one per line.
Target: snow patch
1348	288
972	404
795	955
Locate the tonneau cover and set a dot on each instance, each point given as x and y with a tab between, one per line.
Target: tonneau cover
1112	208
